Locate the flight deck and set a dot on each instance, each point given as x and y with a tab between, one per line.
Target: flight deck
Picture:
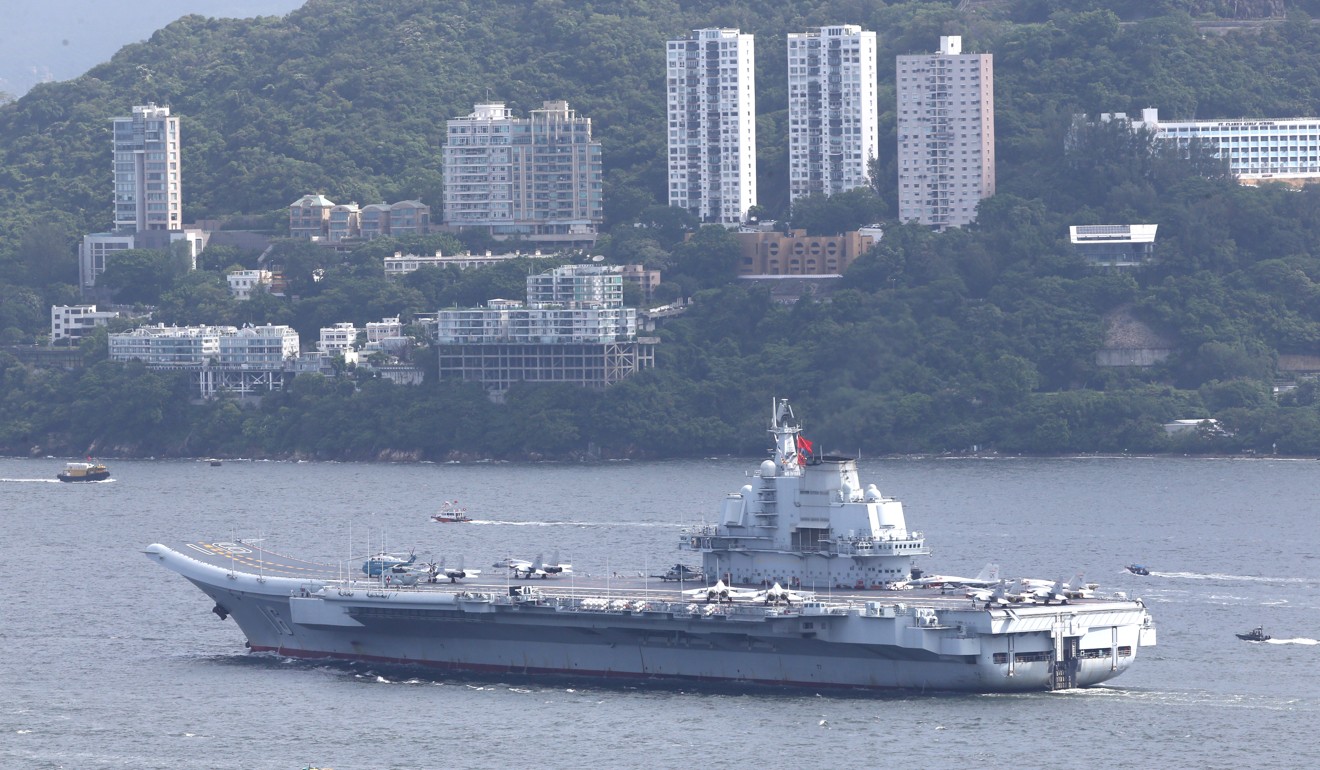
252	559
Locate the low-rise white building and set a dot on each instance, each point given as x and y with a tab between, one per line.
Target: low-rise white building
244	361
340	338
386	336
97	249
386	328
1116	246
1257	150
573	329
401	264
243	282
162	346
265	347
72	322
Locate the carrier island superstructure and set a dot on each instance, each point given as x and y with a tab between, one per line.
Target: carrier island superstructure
806	522
841	552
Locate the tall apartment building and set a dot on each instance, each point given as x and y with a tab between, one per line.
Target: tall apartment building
538	178
833	115
712	124
946	135
146	165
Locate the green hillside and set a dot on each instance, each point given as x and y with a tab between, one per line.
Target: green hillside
349	97
985	336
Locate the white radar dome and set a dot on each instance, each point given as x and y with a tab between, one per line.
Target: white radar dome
768	469
872	494
747	490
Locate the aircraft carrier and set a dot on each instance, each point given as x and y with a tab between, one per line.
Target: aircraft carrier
807	584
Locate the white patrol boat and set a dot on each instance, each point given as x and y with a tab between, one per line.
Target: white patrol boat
808	570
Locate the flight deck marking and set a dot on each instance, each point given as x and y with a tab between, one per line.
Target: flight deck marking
232	547
238	554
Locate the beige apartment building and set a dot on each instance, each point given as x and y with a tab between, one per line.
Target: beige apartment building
946	135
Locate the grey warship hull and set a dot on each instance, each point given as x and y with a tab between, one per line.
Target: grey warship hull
879	641
802	520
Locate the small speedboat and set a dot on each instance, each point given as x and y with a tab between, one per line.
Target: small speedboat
1137	569
1256	634
450	513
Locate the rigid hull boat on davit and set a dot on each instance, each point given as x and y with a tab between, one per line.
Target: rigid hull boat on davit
802	528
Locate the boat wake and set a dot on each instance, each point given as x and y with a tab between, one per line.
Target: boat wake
1234	578
582	524
29	481
1299	640
1181	698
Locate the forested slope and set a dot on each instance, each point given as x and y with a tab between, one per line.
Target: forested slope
985	336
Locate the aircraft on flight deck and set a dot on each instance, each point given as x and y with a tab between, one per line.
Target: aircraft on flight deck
1078	589
527	570
988	576
436	571
720	592
1005	593
777	594
382	562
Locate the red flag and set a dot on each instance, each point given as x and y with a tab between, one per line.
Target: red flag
804	449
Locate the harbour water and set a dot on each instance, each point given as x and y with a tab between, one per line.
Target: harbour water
115	663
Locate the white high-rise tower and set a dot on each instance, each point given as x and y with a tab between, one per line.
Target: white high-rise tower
833	120
712	124
146	158
946	135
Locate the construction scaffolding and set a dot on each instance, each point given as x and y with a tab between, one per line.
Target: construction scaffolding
594	365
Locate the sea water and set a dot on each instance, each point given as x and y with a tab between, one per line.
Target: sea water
113	662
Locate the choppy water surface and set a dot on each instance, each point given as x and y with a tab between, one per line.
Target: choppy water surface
115	663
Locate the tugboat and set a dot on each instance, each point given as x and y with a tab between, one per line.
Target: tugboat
1137	569
83	472
1256	634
